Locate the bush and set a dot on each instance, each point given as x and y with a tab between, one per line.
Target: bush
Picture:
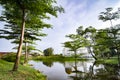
10	57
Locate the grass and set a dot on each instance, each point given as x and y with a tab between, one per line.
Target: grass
24	72
113	60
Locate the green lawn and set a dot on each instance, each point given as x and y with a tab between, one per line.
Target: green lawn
113	60
24	72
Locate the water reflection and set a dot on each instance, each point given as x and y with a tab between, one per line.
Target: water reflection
109	72
77	70
49	64
81	71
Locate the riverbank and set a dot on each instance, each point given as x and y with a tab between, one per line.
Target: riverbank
24	72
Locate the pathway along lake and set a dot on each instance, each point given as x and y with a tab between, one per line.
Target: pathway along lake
77	70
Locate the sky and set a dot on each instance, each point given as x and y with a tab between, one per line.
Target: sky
77	13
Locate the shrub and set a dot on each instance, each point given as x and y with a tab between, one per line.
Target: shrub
10	57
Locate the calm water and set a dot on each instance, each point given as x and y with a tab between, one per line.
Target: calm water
77	70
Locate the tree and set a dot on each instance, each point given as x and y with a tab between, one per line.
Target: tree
108	15
18	11
115	37
103	44
30	37
107	42
80	31
12	32
48	52
90	33
76	42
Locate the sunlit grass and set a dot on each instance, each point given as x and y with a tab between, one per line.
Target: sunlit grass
112	60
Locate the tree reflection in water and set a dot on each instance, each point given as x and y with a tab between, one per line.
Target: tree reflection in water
78	71
48	63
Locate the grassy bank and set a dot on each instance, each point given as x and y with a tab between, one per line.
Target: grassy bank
56	58
24	72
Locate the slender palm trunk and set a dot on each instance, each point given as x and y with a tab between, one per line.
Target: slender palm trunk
15	67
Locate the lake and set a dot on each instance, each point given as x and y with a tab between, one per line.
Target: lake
77	70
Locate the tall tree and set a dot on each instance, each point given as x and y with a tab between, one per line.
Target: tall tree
109	15
22	10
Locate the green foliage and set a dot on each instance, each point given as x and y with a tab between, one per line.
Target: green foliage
48	52
107	41
30	48
80	30
76	42
108	15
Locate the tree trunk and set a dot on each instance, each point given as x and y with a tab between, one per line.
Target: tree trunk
89	48
15	67
90	51
75	54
